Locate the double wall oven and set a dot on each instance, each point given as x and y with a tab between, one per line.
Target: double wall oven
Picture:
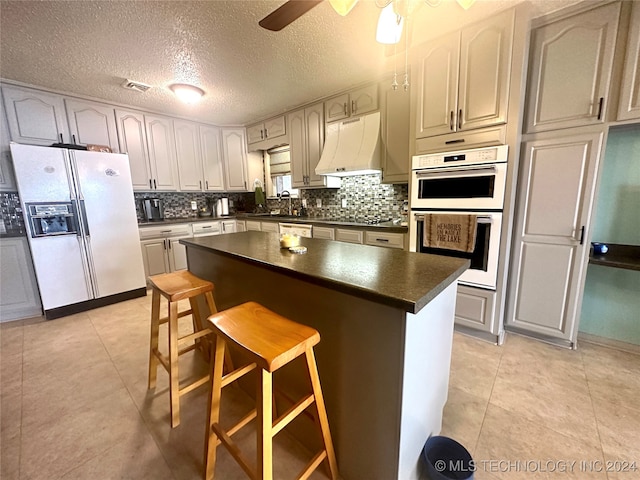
469	182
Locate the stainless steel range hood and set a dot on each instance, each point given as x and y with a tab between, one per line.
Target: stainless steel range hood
352	147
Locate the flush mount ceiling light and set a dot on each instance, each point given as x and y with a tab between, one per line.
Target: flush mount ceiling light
187	93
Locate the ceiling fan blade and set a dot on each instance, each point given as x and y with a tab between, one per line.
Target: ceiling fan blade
287	13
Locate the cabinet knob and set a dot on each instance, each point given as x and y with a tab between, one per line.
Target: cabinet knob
600	105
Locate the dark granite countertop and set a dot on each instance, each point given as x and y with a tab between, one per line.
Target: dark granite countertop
335	222
390	276
618	256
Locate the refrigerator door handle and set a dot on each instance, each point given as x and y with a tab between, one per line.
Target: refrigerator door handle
85	223
88	280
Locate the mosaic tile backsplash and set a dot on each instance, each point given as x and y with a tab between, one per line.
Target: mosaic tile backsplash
12	221
366	198
178	204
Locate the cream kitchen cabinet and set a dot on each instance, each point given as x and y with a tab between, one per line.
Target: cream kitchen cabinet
629	107
161	248
7	177
384	239
205	229
253	225
395	134
306	140
148	172
323	232
241	225
463	78
212	163
357	102
349	235
272	227
268	134
228	226
189	156
35	117
550	252
92	123
19	297
570	71
234	156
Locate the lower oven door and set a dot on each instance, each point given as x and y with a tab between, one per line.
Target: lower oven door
483	272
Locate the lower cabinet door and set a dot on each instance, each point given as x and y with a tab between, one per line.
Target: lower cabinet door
19	297
154	256
177	254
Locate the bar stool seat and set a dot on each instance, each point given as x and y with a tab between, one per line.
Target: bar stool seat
269	341
174	287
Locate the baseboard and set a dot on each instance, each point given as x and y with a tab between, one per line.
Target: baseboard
609	342
95	303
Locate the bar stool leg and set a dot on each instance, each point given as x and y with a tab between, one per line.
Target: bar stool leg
174	378
202	343
265	419
153	343
213	409
322	413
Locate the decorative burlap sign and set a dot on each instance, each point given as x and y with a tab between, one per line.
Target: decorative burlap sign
450	231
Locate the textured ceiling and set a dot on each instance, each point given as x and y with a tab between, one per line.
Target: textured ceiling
248	73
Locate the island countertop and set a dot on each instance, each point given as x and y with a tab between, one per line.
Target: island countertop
392	277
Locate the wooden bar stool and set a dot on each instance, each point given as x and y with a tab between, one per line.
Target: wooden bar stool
270	341
174	287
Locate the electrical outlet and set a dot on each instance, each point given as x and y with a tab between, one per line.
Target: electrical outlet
344	203
318	202
194	205
304	202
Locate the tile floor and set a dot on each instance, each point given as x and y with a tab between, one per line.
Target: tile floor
75	406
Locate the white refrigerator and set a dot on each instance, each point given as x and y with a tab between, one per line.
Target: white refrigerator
82	226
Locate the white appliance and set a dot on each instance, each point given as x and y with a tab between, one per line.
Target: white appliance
83	229
465	182
351	147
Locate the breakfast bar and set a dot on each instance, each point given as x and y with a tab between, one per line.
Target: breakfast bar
385	318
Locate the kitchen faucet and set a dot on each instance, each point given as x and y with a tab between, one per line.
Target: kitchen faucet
288	195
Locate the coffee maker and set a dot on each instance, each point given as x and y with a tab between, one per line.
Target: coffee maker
153	209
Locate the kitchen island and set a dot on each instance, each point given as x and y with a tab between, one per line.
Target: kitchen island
385	318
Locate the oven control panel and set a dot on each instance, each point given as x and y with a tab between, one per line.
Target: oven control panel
464	157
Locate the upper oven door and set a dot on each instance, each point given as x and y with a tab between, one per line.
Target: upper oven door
460	187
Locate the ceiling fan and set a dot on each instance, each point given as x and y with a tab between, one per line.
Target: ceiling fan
294	9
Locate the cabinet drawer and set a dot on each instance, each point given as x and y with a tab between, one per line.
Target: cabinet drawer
165	231
384	239
324	232
462	140
474	307
206	228
270	227
351	236
253	225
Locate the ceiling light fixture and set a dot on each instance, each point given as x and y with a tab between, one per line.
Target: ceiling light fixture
187	93
343	7
390	25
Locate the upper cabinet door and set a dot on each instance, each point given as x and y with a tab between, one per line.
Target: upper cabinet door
314	120
364	100
133	142
396	160
34	117
92	123
211	158
337	108
162	152
235	158
297	148
7	178
275	127
189	157
437	105
629	108
485	60
571	70
255	133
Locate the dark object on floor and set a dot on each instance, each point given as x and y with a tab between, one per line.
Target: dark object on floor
446	459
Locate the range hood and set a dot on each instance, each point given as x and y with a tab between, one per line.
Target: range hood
352	147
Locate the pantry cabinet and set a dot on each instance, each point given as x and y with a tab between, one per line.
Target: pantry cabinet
357	102
306	140
35	117
570	71
629	107
463	78
92	123
235	159
550	252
